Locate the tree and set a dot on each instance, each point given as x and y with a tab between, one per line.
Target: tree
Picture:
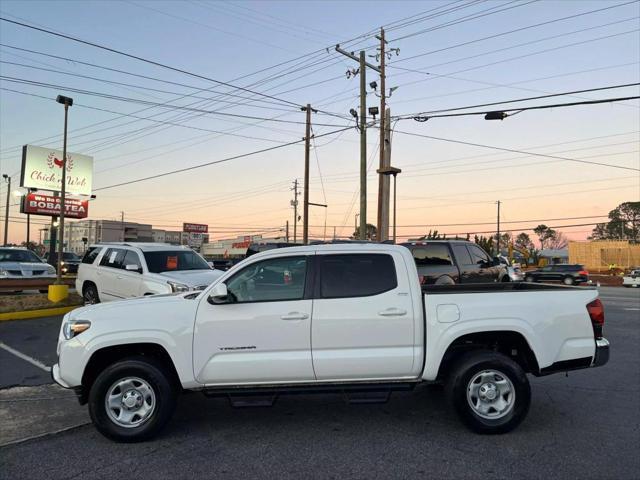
433	235
526	247
558	241
486	243
371	232
523	242
623	224
544	234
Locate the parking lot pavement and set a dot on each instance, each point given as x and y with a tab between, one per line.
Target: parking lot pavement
586	425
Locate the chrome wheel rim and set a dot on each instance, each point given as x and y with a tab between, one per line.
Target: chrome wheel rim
130	402
568	281
491	394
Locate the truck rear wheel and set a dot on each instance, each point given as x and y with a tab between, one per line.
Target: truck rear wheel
489	391
132	400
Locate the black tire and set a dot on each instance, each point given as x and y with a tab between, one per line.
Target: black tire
529	279
505	279
476	363
568	280
90	294
156	377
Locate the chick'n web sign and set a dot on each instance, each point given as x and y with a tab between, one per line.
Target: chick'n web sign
42	169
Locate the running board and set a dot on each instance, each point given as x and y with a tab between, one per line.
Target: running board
360	398
249	401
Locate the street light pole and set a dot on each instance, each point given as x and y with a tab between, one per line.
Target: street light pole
67	102
7	178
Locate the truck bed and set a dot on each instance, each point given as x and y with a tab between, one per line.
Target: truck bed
497	287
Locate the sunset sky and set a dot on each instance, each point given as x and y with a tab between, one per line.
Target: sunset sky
443	63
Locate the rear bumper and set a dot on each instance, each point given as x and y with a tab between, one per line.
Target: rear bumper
602	352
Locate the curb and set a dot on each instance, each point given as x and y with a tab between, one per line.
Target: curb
47	312
42	435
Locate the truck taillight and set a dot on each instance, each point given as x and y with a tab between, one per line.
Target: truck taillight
584	273
422	279
596	313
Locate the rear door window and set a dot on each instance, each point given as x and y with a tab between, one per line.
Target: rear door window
113	258
356	275
478	255
462	255
432	254
131	258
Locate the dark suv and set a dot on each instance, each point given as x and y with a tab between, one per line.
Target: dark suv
567	274
446	262
70	261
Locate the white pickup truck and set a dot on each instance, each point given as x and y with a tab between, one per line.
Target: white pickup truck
348	318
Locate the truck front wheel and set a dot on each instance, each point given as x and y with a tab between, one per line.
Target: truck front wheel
132	399
489	391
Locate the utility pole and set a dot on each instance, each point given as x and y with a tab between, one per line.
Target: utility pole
383	180
307	148
287	234
363	147
6	210
122	223
294	204
362	71
498	230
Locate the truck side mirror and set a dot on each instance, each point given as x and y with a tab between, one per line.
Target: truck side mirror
219	294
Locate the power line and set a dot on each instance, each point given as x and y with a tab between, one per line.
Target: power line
151	62
235	157
519	57
539	97
548	22
524	109
517	151
154	104
474	16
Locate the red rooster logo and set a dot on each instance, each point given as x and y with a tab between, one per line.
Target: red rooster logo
53	161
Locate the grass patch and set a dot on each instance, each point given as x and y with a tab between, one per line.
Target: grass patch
36	301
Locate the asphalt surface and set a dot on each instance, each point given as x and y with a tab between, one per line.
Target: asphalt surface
586	425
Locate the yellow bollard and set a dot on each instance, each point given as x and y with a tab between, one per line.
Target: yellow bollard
58	293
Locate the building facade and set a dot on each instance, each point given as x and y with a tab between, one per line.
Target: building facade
80	234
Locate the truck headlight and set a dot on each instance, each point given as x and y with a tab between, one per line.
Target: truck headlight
178	287
75	327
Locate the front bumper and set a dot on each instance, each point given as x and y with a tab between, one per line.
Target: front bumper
55	375
602	352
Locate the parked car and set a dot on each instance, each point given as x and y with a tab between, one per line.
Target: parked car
70	261
632	280
447	262
22	264
344	318
565	273
113	271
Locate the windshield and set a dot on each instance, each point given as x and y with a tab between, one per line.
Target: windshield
70	256
176	260
9	255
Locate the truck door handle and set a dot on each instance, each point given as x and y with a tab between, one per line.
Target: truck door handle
294	316
392	312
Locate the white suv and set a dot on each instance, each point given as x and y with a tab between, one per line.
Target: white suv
114	271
